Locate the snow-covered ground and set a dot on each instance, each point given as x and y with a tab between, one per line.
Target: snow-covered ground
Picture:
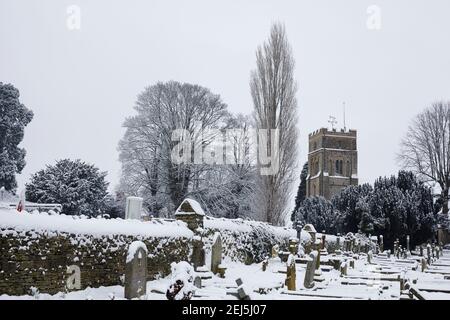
374	281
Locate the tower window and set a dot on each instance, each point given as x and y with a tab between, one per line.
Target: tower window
339	165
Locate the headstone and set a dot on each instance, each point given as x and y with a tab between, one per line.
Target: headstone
312	231
407	244
343	268
136	270
429	253
216	253
352	263
293	246
437	252
291	273
318	260
133	208
242	294
310	270
323	241
338	241
265	263
369	257
198	253
198	282
275	250
423	263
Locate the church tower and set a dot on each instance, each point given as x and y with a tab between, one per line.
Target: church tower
332	162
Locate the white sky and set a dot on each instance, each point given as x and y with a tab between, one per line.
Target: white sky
82	84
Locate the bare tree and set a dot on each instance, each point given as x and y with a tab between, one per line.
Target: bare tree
426	147
273	90
146	149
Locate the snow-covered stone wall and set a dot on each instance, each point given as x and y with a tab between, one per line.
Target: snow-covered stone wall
248	241
36	250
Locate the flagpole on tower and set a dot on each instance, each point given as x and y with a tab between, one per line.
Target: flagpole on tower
345	127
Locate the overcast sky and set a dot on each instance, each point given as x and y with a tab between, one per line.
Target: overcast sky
81	84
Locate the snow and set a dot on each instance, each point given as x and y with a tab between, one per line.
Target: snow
133	248
363	282
54	224
194	205
246	226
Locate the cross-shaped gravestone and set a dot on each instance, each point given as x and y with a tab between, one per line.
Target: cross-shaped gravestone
136	270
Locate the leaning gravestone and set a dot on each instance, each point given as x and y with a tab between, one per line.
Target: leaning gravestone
136	270
216	253
242	293
310	270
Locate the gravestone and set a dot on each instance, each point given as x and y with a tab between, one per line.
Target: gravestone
242	293
429	253
293	245
291	273
265	263
198	253
198	282
423	263
343	268
136	270
133	208
381	244
323	241
352	263
369	257
407	244
275	250
437	252
310	270
216	253
311	230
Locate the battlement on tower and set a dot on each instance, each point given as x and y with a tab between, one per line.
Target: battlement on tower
337	132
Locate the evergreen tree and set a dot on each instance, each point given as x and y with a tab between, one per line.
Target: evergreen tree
301	191
319	212
14	117
79	187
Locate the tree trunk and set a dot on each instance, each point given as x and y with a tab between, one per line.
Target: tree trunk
445	200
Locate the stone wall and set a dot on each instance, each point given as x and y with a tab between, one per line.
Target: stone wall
30	260
246	241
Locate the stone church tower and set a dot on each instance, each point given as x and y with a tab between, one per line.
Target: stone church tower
332	162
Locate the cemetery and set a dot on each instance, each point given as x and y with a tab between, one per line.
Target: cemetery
50	256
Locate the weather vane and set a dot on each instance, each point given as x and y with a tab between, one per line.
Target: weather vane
332	121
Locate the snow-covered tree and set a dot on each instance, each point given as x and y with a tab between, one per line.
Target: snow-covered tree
79	187
426	148
349	204
14	117
301	191
273	90
319	212
146	152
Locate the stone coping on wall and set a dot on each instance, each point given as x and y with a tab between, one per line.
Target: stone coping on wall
14	221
